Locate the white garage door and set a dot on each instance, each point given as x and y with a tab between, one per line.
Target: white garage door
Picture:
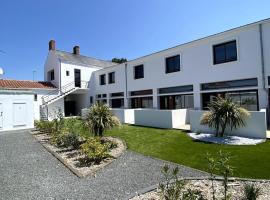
19	114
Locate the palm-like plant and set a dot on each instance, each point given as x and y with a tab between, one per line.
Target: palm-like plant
223	113
100	118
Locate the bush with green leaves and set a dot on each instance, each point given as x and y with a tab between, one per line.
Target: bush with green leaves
45	126
223	113
251	192
100	118
192	195
221	164
94	150
66	139
173	187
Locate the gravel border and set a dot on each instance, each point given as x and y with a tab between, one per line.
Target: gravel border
154	187
80	173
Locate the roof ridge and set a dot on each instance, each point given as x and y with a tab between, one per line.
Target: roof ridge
86	56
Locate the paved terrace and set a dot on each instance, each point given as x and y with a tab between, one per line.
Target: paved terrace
28	171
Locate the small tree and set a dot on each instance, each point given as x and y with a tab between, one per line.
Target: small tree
119	60
100	118
223	113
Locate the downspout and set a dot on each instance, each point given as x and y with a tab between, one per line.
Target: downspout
126	84
262	57
263	74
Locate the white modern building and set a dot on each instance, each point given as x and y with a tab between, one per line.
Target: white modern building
235	63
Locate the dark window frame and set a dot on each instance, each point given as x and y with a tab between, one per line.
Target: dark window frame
172	69
102	79
137	74
176	89
141	92
226	59
67	73
111	77
226	84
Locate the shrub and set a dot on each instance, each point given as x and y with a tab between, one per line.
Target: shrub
64	138
94	150
44	126
251	192
172	188
192	195
223	113
100	118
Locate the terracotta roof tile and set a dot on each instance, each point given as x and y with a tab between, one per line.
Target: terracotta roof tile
15	84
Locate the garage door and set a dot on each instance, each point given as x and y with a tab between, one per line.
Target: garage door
19	114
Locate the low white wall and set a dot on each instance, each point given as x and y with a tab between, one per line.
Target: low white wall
54	107
255	125
124	115
161	118
84	113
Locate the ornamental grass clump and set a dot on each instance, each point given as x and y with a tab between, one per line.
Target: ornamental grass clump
223	113
100	118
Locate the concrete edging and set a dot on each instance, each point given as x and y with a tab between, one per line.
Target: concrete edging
71	168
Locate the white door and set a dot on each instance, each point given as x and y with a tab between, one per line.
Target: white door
1	115
19	114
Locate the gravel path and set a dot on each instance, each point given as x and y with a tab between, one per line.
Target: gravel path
28	171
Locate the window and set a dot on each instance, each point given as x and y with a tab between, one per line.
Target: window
104	95
111	77
225	52
102	79
35	97
173	64
176	89
252	82
247	99
176	101
138	72
141	92
117	103
142	102
117	94
67	73
51	74
91	99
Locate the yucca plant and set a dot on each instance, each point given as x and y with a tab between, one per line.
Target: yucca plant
223	113
100	118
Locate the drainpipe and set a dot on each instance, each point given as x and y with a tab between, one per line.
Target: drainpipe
263	73
126	84
262	57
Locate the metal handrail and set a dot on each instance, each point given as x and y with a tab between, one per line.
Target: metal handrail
62	90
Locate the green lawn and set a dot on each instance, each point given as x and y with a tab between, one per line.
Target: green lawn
175	146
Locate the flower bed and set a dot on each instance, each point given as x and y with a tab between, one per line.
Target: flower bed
236	189
75	159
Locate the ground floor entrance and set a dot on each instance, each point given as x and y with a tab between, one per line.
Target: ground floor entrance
142	102
247	99
176	101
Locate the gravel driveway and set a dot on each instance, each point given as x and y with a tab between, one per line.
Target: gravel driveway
28	171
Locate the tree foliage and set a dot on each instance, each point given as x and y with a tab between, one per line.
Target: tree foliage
119	60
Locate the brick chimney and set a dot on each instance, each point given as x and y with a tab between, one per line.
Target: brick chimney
76	50
51	45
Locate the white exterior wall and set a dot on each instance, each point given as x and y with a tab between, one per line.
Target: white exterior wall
52	63
7	100
54	107
255	125
197	66
118	86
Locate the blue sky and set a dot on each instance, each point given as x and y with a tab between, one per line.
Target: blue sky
105	28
